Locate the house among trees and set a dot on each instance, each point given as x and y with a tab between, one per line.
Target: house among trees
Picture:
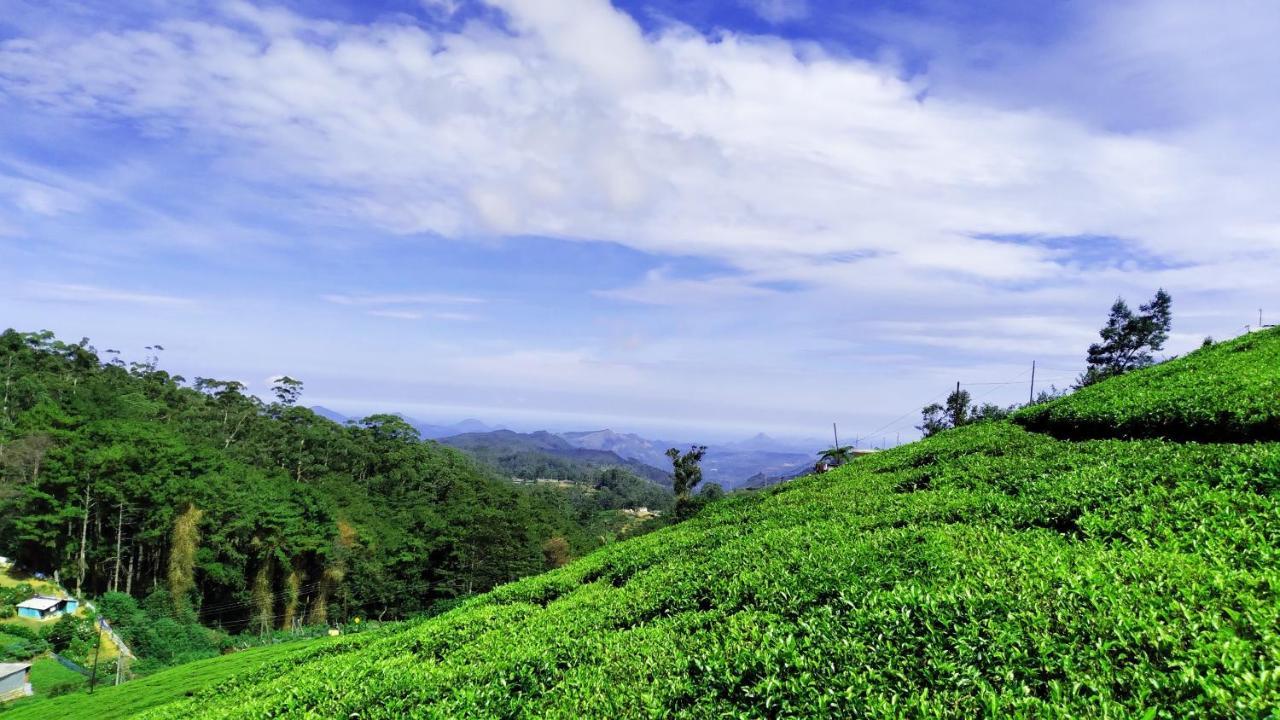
15	681
42	607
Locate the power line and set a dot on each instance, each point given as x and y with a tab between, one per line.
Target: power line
904	415
203	613
897	422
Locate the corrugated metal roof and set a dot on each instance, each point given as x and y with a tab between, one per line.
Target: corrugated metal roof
7	669
40	603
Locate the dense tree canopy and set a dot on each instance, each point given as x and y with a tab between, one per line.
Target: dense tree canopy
120	477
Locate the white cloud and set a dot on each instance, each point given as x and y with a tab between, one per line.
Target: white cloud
658	288
872	198
779	11
753	151
64	292
397	314
401	299
445	8
455	316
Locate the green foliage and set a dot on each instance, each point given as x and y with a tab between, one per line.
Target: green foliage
836	456
987	571
11	595
156	634
202	488
136	696
16	645
957	412
50	679
1227	392
685	476
68	631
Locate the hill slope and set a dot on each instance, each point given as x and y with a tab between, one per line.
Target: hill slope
987	571
1228	392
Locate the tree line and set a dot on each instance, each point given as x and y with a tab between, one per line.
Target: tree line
242	513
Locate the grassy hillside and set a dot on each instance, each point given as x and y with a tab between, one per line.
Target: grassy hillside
116	703
1228	392
987	571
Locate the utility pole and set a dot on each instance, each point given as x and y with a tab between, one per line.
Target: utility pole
835	434
93	679
1032	397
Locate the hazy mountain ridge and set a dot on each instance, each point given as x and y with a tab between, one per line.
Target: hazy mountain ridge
728	464
426	430
522	454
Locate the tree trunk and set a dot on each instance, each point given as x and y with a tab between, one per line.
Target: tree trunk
8	373
231	438
128	575
115	573
82	564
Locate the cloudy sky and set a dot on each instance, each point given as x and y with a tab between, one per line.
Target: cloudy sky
706	218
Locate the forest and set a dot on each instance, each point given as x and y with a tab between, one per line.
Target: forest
211	506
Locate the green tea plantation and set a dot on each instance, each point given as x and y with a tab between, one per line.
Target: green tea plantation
1113	554
1228	392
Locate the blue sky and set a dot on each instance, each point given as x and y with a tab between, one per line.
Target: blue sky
698	219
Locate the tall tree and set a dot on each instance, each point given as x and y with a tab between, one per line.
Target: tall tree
934	417
686	474
1129	339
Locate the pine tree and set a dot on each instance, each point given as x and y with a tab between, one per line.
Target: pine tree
1129	339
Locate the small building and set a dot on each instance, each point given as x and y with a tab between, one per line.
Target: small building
15	681
43	607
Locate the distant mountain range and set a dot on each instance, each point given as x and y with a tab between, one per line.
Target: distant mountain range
545	454
749	462
729	465
627	445
427	431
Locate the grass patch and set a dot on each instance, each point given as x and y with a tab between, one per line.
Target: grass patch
49	677
126	701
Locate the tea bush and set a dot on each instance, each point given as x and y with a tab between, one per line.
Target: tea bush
1229	392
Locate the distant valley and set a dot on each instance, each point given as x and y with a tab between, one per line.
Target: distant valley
754	462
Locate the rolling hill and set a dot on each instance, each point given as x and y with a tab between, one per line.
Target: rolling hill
993	570
545	454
